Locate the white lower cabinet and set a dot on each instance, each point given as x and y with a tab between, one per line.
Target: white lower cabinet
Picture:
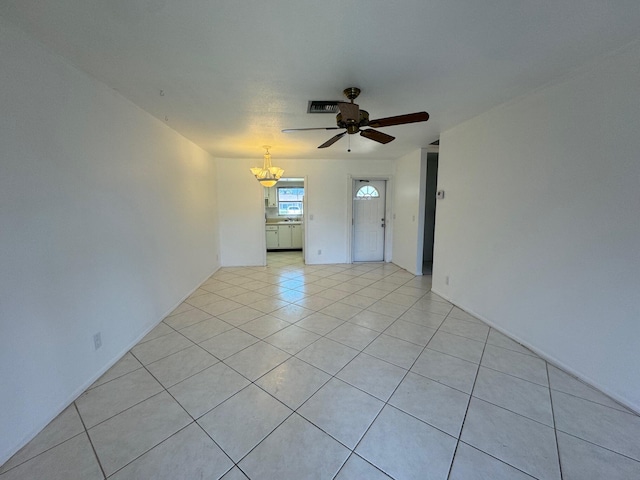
296	236
284	237
273	237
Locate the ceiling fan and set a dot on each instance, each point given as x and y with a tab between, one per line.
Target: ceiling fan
353	120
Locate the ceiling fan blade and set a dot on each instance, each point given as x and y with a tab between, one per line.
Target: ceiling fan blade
349	111
376	136
400	120
332	140
288	130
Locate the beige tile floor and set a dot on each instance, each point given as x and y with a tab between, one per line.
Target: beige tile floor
332	371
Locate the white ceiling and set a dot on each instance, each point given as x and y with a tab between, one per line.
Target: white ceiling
235	72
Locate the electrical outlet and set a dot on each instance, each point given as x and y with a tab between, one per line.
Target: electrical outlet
319	252
97	341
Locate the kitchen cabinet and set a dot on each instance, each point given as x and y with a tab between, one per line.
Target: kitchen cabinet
281	237
296	236
284	240
270	197
273	237
291	236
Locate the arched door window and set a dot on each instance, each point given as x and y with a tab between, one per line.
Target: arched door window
367	192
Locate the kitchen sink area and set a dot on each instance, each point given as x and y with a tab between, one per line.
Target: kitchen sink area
283	222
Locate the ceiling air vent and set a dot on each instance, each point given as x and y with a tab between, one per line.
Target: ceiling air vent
322	106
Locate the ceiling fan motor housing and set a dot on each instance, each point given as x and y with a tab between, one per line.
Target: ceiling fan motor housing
351	125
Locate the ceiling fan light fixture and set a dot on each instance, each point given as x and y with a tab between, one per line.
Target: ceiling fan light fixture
267	175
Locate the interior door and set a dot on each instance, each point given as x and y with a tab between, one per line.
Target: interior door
368	220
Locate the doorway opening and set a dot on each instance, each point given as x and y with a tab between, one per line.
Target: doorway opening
284	219
430	213
369	215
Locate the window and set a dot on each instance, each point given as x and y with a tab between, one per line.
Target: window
367	192
290	201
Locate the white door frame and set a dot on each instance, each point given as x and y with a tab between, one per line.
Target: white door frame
387	213
264	236
304	220
305	217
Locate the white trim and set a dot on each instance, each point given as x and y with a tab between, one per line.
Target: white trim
264	230
305	211
349	206
422	203
305	218
388	199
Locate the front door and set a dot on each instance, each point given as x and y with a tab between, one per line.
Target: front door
368	220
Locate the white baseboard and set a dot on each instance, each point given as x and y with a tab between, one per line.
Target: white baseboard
546	356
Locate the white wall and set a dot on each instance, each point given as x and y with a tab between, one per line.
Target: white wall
539	230
241	203
408	210
107	220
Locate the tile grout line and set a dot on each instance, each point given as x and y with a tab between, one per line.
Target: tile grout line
553	417
93	448
600	446
193	421
471	396
126	409
386	403
41	453
625	411
464	419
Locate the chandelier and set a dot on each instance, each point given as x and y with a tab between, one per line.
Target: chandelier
268	175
